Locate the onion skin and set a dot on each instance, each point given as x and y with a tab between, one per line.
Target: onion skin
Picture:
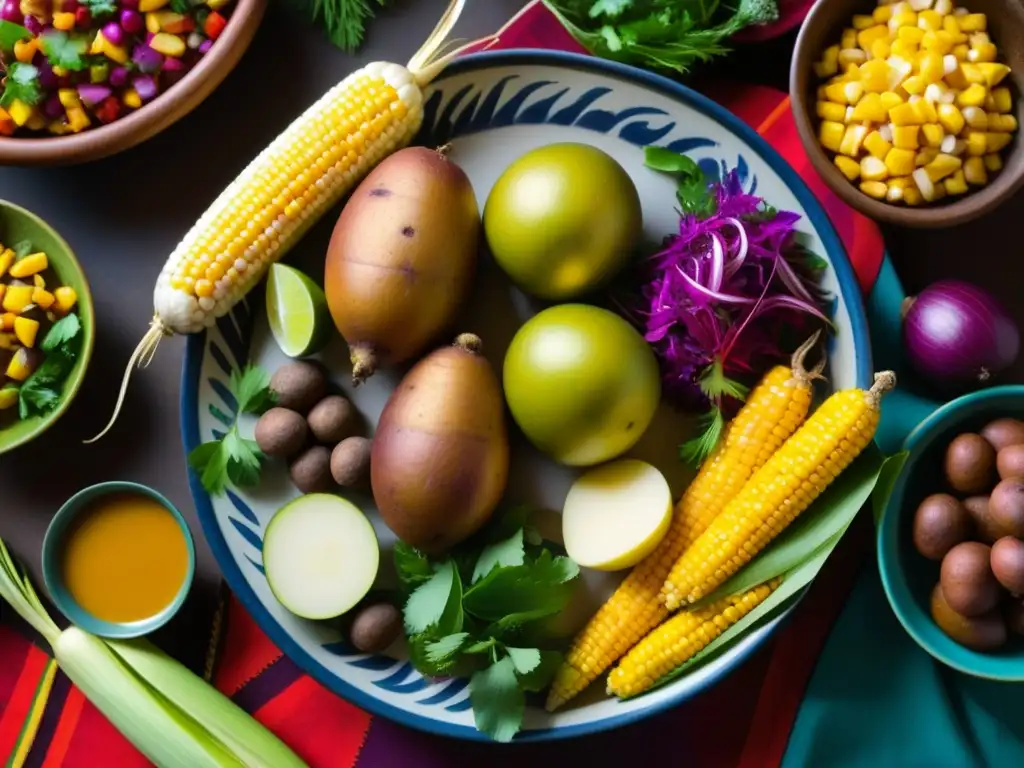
402	258
958	336
440	456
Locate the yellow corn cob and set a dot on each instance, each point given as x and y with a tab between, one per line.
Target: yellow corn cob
305	171
773	411
784	487
680	639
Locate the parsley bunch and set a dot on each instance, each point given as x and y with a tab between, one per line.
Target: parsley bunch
235	458
469	614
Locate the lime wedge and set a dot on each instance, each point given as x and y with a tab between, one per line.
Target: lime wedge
297	311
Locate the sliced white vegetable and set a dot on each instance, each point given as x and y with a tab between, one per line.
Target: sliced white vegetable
320	555
616	514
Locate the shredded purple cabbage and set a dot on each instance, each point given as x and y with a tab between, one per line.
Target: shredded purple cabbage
728	287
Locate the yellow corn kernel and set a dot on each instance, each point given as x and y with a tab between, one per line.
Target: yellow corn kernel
973	96
16	298
998	123
929	20
975	118
912	196
903	49
28	266
78	120
975	172
835	92
831	438
8	397
25	330
914	85
852	140
882	14
63	21
831	134
933	134
7	321
994	73
680	639
973	22
24	50
891	99
956	79
874	76
829	110
956	184
774	410
6	259
36	121
167	44
951	25
925	156
875	189
66	298
9	342
904	19
18	368
896	187
881	49
851	57
869	109
1002	102
38	281
940	42
976	142
983	53
42	298
861	21
926	109
932	68
962	51
951	118
905	136
848	39
873	169
131	99
876	145
972	73
994	142
849	167
942	166
145	6
869	35
20	112
900	162
905	114
993	163
911	35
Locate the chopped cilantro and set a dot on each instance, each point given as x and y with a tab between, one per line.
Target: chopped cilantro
21	83
64	50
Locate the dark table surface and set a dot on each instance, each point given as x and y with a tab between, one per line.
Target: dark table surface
124	215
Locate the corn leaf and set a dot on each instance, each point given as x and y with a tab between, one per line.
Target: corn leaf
886	484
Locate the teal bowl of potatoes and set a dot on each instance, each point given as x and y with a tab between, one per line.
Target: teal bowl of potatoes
950	549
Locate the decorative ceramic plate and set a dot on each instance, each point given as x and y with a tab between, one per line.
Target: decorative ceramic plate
493	107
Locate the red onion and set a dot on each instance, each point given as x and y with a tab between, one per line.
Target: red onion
118	77
92	93
113	32
131	21
145	86
10	10
958	336
52	107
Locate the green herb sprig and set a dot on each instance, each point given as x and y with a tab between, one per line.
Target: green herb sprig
42	390
234	458
64	50
344	20
21	83
469	613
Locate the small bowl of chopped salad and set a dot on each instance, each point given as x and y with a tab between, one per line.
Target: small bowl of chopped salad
46	326
84	79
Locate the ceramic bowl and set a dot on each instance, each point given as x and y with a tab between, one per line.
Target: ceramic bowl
908	578
166	109
18	224
52	551
822	28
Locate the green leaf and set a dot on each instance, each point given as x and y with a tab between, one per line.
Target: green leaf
442	653
210	462
251	389
42	390
436	604
11	33
480	647
525	660
244	459
497	700
64	50
504	553
21	83
667	161
22	248
413	566
696	450
344	21
540	676
886	483
61	332
181	6
823	522
541	587
98	8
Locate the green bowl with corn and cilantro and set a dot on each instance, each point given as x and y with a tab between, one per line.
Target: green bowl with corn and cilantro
46	326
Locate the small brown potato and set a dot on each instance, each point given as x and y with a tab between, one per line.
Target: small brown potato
281	432
1014	613
977	507
1007	558
1006	508
375	627
970	463
311	470
981	633
299	385
940	523
1003	433
333	419
967	581
1010	462
350	462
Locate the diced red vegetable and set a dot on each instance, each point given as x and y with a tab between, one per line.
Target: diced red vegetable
109	110
82	17
214	25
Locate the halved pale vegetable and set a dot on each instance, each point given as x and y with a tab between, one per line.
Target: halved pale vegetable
320	555
616	514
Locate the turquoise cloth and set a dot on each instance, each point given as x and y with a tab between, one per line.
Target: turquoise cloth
876	699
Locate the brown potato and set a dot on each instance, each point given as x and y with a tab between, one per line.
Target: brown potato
981	633
402	258
967	581
440	455
1007	558
281	432
299	385
1006	508
333	419
940	523
1002	433
375	627
1010	462
970	463
311	470
985	529
350	462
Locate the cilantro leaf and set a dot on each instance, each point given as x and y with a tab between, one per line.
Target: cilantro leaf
210	462
251	389
244	457
443	652
541	587
21	83
63	50
11	33
343	20
503	553
436	603
181	6
540	676
525	660
413	566
22	248
99	8
693	191
497	700
37	396
42	391
61	333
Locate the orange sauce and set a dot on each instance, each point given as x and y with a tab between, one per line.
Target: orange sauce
125	558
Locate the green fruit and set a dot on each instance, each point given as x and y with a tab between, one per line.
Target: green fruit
581	383
296	311
562	220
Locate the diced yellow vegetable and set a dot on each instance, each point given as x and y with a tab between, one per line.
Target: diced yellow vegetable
972	73
881	49
974	171
8	397
998	123
951	25
19	111
869	109
925	156
874	76
873	169
956	184
42	298
976	142
38	281
130	98
17	297
904	49
912	196
848	39
852	140
996	141
30	265
891	99
25	330
167	44
829	110
882	14
942	166
849	167
867	36
36	121
876	145
905	114
973	96
933	134
145	6
914	85
976	118
993	73
836	93
830	59
912	35
900	162
18	368
993	163
831	134
6	259
861	21
66	298
961	51
875	189
983	52
78	120
848	56
905	136
932	68
903	19
951	118
7	321
973	22
929	20
1002	102
939	42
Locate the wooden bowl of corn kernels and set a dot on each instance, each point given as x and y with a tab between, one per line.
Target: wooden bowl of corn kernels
911	111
